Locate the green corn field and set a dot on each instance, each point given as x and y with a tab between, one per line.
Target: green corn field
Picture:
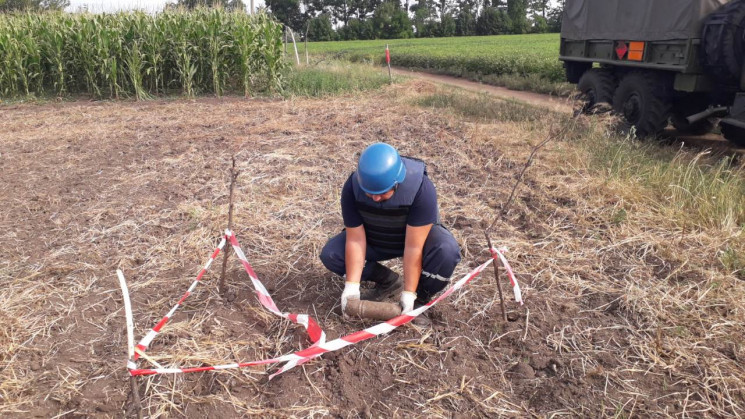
135	54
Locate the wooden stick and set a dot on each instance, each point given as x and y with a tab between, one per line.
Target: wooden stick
297	57
506	207
128	314
233	176
136	395
130	343
388	61
496	278
522	173
307	28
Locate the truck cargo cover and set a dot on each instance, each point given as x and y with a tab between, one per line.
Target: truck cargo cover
636	20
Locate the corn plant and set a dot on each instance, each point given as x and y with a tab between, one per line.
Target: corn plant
245	37
139	55
53	39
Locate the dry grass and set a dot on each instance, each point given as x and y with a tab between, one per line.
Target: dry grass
630	313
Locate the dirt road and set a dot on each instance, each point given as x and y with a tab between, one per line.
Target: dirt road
554	103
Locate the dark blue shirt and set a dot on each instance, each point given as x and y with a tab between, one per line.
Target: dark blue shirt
423	210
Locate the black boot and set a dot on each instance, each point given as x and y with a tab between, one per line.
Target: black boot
422	320
387	284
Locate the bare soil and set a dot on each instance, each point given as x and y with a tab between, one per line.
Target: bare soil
86	188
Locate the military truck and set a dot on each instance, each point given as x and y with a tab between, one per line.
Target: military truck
660	61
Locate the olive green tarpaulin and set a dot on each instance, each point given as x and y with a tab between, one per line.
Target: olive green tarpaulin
636	20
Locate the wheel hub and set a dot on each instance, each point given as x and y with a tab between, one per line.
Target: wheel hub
632	108
590	97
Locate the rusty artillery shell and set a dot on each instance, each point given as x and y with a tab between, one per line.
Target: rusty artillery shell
372	309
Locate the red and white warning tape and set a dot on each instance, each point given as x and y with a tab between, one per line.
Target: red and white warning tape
145	341
317	335
379	329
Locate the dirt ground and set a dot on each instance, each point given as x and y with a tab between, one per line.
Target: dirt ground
87	188
553	103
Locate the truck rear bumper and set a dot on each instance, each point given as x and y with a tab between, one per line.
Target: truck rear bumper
736	116
734	122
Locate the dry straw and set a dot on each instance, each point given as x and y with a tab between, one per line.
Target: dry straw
632	310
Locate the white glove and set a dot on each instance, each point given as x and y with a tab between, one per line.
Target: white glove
407	301
351	291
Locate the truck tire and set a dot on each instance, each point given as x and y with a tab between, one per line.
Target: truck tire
723	43
575	69
596	86
644	100
733	134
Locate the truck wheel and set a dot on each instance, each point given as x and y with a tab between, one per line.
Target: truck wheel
733	134
723	43
643	100
575	69
596	86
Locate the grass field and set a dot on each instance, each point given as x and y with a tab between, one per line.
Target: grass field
528	62
334	78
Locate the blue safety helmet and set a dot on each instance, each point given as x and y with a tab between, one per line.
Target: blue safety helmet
380	169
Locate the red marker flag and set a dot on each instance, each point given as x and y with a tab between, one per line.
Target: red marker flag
387	55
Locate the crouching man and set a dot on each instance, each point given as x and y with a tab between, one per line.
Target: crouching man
389	207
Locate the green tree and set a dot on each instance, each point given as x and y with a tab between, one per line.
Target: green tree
287	12
15	5
444	8
390	21
425	18
357	29
540	24
314	8
465	18
320	28
518	13
465	23
227	4
446	26
539	7
554	17
54	4
493	21
340	11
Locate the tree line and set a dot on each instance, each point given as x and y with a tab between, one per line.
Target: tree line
330	20
35	5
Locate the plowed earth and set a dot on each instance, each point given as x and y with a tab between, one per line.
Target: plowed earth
86	188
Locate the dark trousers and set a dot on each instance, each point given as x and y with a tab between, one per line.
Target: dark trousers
441	254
